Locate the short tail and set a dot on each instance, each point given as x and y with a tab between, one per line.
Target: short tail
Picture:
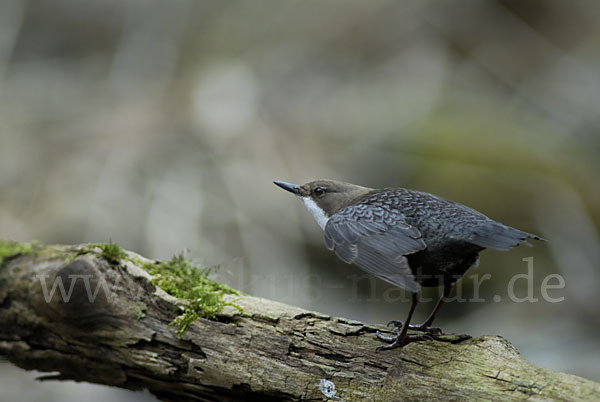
501	237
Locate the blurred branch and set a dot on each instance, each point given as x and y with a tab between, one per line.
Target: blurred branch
121	337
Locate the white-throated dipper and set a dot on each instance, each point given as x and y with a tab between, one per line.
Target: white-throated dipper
405	237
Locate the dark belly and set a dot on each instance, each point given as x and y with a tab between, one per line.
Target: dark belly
443	264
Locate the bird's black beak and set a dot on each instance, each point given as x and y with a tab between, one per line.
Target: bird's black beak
292	188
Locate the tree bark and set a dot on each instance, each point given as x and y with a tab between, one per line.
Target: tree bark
271	351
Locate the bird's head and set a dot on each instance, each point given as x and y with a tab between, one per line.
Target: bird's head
324	198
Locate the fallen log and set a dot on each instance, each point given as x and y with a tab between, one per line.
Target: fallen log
109	324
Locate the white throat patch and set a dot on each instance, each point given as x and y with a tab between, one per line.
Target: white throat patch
319	215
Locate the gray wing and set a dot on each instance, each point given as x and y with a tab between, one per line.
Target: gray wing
376	240
478	229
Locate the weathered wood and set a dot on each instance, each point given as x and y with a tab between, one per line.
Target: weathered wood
272	351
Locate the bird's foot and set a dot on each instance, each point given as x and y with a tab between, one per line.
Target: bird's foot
420	328
398	341
432	333
391	339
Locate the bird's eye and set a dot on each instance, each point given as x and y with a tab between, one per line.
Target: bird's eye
319	191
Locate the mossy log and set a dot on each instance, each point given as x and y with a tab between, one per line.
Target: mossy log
269	351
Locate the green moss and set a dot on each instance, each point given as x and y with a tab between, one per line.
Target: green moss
10	248
139	309
111	252
183	280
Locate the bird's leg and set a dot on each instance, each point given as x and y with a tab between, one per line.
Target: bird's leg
426	326
402	338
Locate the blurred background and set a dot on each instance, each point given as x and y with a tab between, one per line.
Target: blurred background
161	125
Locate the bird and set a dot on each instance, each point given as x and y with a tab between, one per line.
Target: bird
409	238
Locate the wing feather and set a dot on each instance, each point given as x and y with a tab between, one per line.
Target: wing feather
497	236
376	240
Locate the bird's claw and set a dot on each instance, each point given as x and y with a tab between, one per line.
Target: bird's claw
391	339
420	328
388	339
400	342
395	323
